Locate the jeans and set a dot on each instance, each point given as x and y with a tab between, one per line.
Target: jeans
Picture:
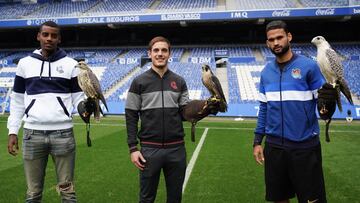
37	145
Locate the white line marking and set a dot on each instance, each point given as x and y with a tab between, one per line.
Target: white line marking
193	159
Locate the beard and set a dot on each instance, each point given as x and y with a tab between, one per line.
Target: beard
282	51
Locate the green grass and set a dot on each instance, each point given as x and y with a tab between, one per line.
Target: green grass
225	170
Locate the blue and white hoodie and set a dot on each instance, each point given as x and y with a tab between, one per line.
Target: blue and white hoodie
288	99
45	92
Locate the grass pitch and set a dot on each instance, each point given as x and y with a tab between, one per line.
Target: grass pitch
225	170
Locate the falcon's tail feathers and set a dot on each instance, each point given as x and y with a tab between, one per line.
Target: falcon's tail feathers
223	106
97	110
344	88
102	98
338	98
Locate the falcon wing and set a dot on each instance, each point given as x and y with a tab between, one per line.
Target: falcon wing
336	66
335	63
218	88
97	88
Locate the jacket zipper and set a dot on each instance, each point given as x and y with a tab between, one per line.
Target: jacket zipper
163	109
281	109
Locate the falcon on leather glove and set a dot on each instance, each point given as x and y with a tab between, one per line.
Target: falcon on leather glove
196	110
326	105
90	85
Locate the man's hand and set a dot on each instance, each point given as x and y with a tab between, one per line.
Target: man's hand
13	146
259	154
138	160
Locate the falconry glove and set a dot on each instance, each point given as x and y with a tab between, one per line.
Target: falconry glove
326	105
196	110
85	109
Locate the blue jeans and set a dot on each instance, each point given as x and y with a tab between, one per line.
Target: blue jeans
37	145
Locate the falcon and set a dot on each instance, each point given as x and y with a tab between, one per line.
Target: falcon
90	85
331	68
212	83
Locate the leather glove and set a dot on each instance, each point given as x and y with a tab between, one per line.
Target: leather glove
85	109
327	97
196	110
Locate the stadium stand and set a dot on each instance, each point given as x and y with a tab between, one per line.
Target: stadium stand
184	5
69	8
354	2
260	4
17	10
352	70
115	7
121	93
12	57
324	3
135	53
114	73
234	93
65	8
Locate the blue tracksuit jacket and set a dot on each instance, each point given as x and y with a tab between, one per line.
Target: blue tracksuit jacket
288	102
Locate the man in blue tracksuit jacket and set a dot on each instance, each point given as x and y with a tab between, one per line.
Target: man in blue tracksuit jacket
288	96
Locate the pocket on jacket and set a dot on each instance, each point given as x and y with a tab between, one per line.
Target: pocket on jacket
29	107
63	106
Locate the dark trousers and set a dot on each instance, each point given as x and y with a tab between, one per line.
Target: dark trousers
173	163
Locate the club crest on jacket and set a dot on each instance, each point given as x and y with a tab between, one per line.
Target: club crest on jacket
296	73
59	69
173	85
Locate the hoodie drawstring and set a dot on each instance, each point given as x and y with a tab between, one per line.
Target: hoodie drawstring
42	68
49	70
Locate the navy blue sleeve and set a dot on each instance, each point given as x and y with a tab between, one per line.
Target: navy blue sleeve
261	123
19	84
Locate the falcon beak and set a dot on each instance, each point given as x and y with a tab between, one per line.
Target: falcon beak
313	40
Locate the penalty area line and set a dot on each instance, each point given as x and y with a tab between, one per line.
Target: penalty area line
193	159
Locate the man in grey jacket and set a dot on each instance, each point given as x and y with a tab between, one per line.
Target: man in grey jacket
157	96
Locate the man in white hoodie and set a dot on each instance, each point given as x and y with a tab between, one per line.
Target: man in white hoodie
44	95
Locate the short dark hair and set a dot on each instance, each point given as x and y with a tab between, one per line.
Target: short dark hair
277	24
50	24
158	39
